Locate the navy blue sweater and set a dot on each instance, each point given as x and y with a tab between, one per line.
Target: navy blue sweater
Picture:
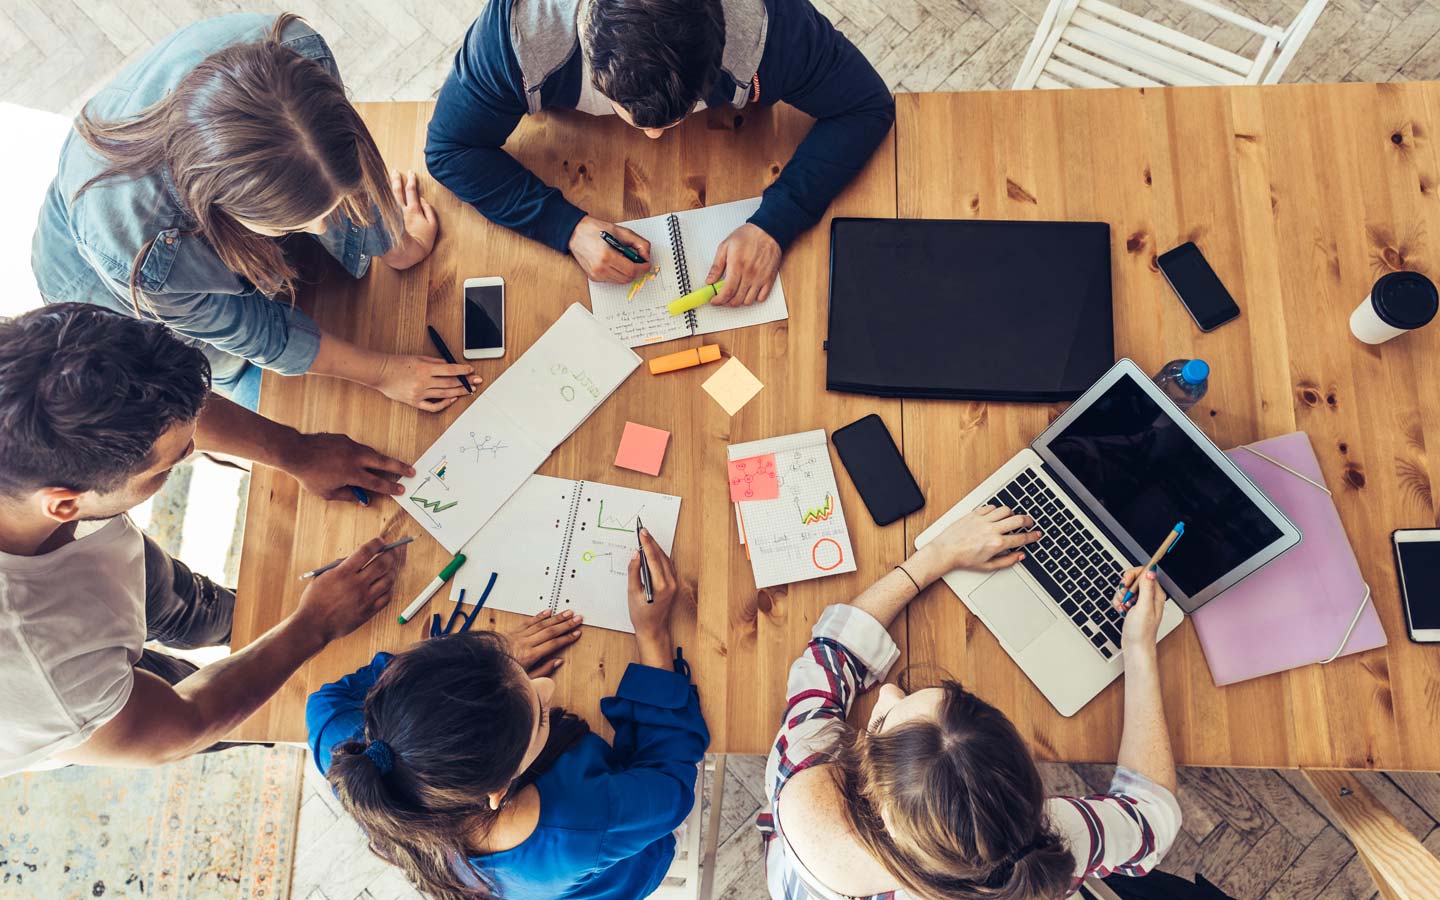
806	63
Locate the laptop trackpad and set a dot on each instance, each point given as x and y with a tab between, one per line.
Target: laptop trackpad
1013	610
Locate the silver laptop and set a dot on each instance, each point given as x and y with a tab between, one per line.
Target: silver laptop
1105	483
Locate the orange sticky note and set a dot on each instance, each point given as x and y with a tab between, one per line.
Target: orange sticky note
753	478
642	448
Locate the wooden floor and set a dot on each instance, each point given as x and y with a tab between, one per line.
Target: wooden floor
1257	833
54	53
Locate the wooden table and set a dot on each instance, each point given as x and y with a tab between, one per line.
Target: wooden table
1300	196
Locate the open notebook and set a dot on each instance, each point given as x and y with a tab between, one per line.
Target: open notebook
682	247
565	545
508	431
796	530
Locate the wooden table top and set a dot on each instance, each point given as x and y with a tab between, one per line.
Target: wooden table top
1299	195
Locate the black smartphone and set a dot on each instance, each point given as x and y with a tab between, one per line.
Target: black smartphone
1417	561
875	465
1197	286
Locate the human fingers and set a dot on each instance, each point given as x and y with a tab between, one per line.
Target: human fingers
1001	562
1016	522
363	554
379	462
434	405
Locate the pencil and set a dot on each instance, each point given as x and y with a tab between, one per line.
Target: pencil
328	566
1154	563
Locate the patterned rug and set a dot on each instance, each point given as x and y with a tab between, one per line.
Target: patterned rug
219	826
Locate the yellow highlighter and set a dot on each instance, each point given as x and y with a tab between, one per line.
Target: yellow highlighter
695	299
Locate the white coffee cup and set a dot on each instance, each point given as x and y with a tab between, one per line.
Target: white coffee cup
1399	302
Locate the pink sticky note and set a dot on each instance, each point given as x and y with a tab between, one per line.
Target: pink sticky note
754	478
642	448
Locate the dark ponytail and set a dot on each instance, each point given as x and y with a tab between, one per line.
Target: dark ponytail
446	725
954	806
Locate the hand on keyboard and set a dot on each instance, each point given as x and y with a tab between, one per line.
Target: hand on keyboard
987	539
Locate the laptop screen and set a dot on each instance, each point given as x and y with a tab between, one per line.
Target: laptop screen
1148	473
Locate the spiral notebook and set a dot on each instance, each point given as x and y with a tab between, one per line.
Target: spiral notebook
682	248
565	545
795	530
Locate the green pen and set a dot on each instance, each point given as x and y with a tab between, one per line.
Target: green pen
627	251
432	588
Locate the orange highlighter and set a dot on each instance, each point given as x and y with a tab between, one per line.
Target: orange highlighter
685	359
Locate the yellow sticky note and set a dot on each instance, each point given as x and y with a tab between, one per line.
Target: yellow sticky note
732	386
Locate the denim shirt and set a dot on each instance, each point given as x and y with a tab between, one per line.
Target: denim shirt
84	248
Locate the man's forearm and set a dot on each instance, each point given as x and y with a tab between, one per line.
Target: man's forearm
229	428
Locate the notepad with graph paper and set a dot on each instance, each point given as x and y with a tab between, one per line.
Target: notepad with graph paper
682	248
801	533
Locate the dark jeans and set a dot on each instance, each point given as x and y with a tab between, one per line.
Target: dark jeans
182	610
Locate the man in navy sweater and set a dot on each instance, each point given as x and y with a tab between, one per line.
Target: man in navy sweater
653	62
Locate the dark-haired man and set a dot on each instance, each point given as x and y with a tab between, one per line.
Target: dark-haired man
653	62
96	409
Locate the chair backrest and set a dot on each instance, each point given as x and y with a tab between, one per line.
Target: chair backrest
1092	43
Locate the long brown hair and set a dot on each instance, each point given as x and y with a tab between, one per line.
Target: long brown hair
455	719
964	802
255	132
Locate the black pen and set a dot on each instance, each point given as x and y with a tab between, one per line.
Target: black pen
628	252
445	352
644	565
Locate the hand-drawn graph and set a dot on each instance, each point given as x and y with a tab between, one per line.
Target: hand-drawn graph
617	523
480	446
800	469
618	563
438	472
430	508
819	513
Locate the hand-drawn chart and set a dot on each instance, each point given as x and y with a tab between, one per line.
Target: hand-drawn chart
800	532
557	550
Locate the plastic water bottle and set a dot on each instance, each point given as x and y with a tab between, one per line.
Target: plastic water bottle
1184	381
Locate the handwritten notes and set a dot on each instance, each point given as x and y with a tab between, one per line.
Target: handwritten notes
642	448
732	386
754	479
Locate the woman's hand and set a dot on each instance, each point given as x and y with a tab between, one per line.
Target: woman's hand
421	225
1142	619
424	382
538	645
982	540
651	618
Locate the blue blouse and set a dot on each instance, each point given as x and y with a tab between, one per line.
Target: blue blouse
606	811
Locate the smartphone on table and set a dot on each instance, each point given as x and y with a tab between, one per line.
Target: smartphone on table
484	318
1417	560
875	465
1198	287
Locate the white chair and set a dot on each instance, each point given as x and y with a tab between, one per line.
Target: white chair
1091	43
692	872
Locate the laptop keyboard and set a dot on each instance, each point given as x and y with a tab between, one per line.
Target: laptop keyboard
1075	570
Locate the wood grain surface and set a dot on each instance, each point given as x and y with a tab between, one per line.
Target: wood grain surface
739	641
1300	196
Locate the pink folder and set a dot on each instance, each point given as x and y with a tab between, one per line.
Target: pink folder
1295	611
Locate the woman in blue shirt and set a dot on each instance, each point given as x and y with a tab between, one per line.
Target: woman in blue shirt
451	760
182	175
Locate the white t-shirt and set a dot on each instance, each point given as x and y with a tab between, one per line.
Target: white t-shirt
72	627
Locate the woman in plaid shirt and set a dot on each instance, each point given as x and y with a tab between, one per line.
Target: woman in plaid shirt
938	798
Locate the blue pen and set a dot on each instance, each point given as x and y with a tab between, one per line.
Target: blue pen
1166	547
360	494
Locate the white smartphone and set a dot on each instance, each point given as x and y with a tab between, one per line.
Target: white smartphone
484	318
1417	558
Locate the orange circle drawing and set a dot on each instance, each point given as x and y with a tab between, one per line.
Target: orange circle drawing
815	552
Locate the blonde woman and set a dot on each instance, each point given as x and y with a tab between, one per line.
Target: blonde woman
185	175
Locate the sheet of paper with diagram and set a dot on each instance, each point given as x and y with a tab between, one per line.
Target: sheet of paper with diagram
682	248
565	545
787	507
510	429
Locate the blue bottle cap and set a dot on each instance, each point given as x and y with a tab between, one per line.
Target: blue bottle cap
1195	371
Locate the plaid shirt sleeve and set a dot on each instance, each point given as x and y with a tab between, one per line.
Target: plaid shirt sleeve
849	651
1126	831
